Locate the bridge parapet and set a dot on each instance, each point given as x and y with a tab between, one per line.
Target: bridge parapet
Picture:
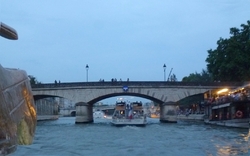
135	83
159	92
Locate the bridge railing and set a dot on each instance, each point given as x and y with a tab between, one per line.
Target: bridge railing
135	83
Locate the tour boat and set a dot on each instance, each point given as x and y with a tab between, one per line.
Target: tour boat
230	108
98	114
154	115
129	114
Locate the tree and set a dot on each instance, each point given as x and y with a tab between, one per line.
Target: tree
230	60
33	80
204	76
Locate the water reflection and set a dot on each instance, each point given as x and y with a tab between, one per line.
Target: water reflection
63	137
231	143
232	150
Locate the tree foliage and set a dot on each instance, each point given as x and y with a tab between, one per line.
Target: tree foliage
33	80
204	76
230	61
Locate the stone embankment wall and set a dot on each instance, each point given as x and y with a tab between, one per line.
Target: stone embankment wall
17	110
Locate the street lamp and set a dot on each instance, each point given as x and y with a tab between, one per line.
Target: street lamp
164	68
87	69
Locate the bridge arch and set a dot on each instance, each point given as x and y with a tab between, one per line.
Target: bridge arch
38	97
93	101
47	105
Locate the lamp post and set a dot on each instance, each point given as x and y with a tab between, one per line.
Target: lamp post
87	69
164	68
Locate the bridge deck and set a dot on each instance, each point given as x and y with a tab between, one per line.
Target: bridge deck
136	83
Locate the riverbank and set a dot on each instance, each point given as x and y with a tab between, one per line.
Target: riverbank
47	117
191	117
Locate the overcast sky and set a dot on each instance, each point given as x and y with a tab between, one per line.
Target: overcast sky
116	38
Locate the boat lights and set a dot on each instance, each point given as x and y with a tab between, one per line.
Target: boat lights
222	90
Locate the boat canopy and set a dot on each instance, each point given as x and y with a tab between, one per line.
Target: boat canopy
221	106
137	107
137	104
119	108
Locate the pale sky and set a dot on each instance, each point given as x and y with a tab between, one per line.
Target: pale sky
116	38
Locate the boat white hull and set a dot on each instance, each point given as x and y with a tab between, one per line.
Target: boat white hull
237	123
98	114
129	122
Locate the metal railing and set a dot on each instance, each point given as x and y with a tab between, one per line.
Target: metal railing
135	83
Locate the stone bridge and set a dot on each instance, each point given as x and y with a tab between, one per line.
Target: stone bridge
162	92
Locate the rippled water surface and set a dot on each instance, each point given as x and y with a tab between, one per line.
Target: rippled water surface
63	137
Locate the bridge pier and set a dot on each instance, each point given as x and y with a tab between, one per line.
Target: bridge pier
168	113
84	113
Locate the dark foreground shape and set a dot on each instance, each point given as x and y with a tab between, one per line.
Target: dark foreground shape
85	122
17	110
165	121
8	32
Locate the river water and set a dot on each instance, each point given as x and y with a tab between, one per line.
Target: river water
63	137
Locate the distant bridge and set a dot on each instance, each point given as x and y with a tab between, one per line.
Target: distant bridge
86	94
72	111
157	91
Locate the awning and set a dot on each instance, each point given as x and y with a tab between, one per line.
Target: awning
221	106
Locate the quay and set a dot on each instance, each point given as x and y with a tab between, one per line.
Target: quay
47	117
191	117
